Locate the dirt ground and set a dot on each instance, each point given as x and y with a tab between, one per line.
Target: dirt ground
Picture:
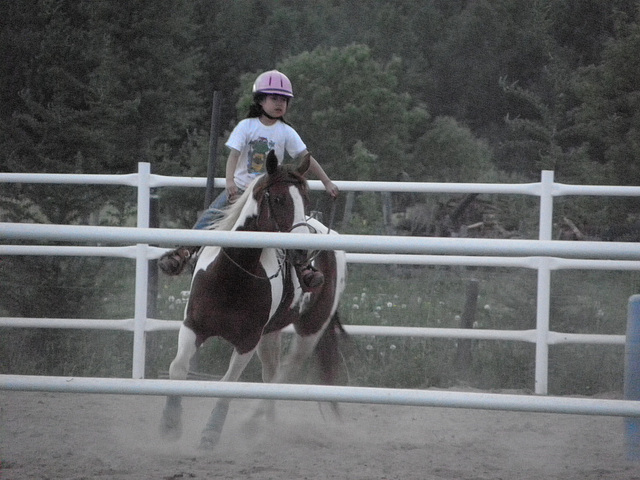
78	436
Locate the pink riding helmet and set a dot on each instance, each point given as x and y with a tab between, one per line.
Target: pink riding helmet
273	82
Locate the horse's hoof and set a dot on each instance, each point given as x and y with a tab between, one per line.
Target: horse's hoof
266	410
171	424
170	432
209	440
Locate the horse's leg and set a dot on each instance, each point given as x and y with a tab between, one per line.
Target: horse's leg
285	371
269	353
171	423
213	429
291	365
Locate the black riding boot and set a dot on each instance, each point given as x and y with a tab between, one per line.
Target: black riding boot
173	262
309	277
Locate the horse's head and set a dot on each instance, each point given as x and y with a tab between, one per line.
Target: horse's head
282	197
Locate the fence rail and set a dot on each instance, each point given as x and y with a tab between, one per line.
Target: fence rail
543	255
321	393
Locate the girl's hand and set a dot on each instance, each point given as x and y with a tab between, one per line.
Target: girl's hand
232	192
332	190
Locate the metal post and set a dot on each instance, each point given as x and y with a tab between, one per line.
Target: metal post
463	354
632	376
542	327
213	148
544	287
152	294
546	205
142	273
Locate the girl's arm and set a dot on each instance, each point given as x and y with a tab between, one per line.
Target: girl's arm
316	169
232	163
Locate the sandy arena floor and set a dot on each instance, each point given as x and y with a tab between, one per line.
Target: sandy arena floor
78	436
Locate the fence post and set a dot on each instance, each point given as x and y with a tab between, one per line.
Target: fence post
463	353
544	286
632	376
546	205
214	133
152	294
542	327
142	273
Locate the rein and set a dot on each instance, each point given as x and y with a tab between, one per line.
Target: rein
312	256
281	264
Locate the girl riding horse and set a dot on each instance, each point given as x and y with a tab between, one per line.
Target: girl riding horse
263	130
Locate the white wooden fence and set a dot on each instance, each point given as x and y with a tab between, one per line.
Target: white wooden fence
543	255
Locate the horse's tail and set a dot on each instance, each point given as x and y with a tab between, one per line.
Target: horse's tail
328	353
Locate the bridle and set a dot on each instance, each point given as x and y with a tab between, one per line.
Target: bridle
271	213
311	254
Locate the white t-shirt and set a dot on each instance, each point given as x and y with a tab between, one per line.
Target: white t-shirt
254	140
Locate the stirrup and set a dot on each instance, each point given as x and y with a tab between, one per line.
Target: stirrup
172	263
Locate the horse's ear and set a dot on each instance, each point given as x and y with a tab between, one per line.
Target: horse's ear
272	162
304	164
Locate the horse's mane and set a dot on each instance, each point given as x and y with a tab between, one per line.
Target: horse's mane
232	212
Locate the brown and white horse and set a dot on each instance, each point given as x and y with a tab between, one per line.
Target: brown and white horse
248	295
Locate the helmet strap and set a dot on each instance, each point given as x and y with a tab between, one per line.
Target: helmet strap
269	116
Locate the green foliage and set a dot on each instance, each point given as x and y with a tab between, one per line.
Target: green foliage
45	129
144	89
450	151
487	40
66	353
94	87
581	27
545	137
101	86
610	105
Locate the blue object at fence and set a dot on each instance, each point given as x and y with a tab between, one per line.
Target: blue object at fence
632	376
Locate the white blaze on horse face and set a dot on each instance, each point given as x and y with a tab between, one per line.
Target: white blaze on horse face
298	211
